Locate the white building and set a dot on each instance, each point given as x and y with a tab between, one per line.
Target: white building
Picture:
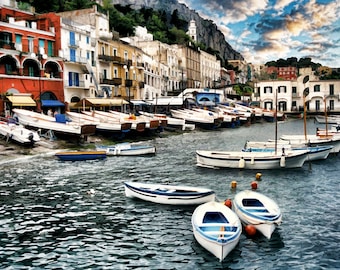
318	94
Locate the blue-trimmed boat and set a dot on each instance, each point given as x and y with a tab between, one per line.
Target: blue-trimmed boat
168	194
254	208
80	155
216	228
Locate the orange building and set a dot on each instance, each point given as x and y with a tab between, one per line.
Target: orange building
31	72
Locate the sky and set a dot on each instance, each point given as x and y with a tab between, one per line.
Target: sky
267	30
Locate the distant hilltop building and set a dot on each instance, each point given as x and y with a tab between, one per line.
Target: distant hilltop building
192	32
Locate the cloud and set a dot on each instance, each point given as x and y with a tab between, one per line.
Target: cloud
229	11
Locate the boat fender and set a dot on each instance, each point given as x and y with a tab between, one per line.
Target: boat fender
252	161
258	176
253	185
228	203
233	184
241	163
250	230
283	161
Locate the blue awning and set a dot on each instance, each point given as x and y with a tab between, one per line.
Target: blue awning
51	103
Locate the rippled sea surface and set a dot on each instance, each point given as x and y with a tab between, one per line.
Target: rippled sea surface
49	219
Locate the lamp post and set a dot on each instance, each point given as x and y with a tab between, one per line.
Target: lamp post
128	82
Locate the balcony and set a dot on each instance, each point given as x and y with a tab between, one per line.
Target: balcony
114	81
128	83
105	57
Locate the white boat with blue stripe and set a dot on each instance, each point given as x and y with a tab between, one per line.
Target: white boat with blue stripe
216	228
254	208
168	194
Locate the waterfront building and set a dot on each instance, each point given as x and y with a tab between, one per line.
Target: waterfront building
31	70
320	95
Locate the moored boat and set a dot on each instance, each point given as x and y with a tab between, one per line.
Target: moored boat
216	228
258	210
251	160
315	152
129	149
168	194
80	155
57	124
18	133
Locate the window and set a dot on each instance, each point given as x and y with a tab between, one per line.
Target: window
331	104
72	55
114	52
317	105
317	88
18	42
331	89
73	79
50	48
282	89
115	72
294	89
30	44
41	46
87	40
72	38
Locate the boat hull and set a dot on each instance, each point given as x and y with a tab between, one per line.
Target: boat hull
250	160
18	133
216	228
127	149
258	210
163	194
80	155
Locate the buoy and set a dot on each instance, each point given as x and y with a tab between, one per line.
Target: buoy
258	176
241	163
233	184
250	230
254	185
283	161
228	203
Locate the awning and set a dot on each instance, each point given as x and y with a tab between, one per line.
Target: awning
97	102
52	103
22	101
167	101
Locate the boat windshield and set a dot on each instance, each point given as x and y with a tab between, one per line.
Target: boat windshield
252	202
214	217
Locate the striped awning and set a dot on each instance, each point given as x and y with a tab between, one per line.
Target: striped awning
23	101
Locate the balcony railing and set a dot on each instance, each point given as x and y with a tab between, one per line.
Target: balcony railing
114	81
128	83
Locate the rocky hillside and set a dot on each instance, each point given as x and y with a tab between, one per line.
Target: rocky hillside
207	31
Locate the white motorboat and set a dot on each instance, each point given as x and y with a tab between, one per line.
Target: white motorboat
251	160
101	126
168	194
258	210
216	228
129	149
314	140
171	121
18	133
315	152
205	121
56	124
107	117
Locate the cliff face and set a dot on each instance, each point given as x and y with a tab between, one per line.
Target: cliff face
207	31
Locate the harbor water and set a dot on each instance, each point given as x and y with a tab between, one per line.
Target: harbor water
74	215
